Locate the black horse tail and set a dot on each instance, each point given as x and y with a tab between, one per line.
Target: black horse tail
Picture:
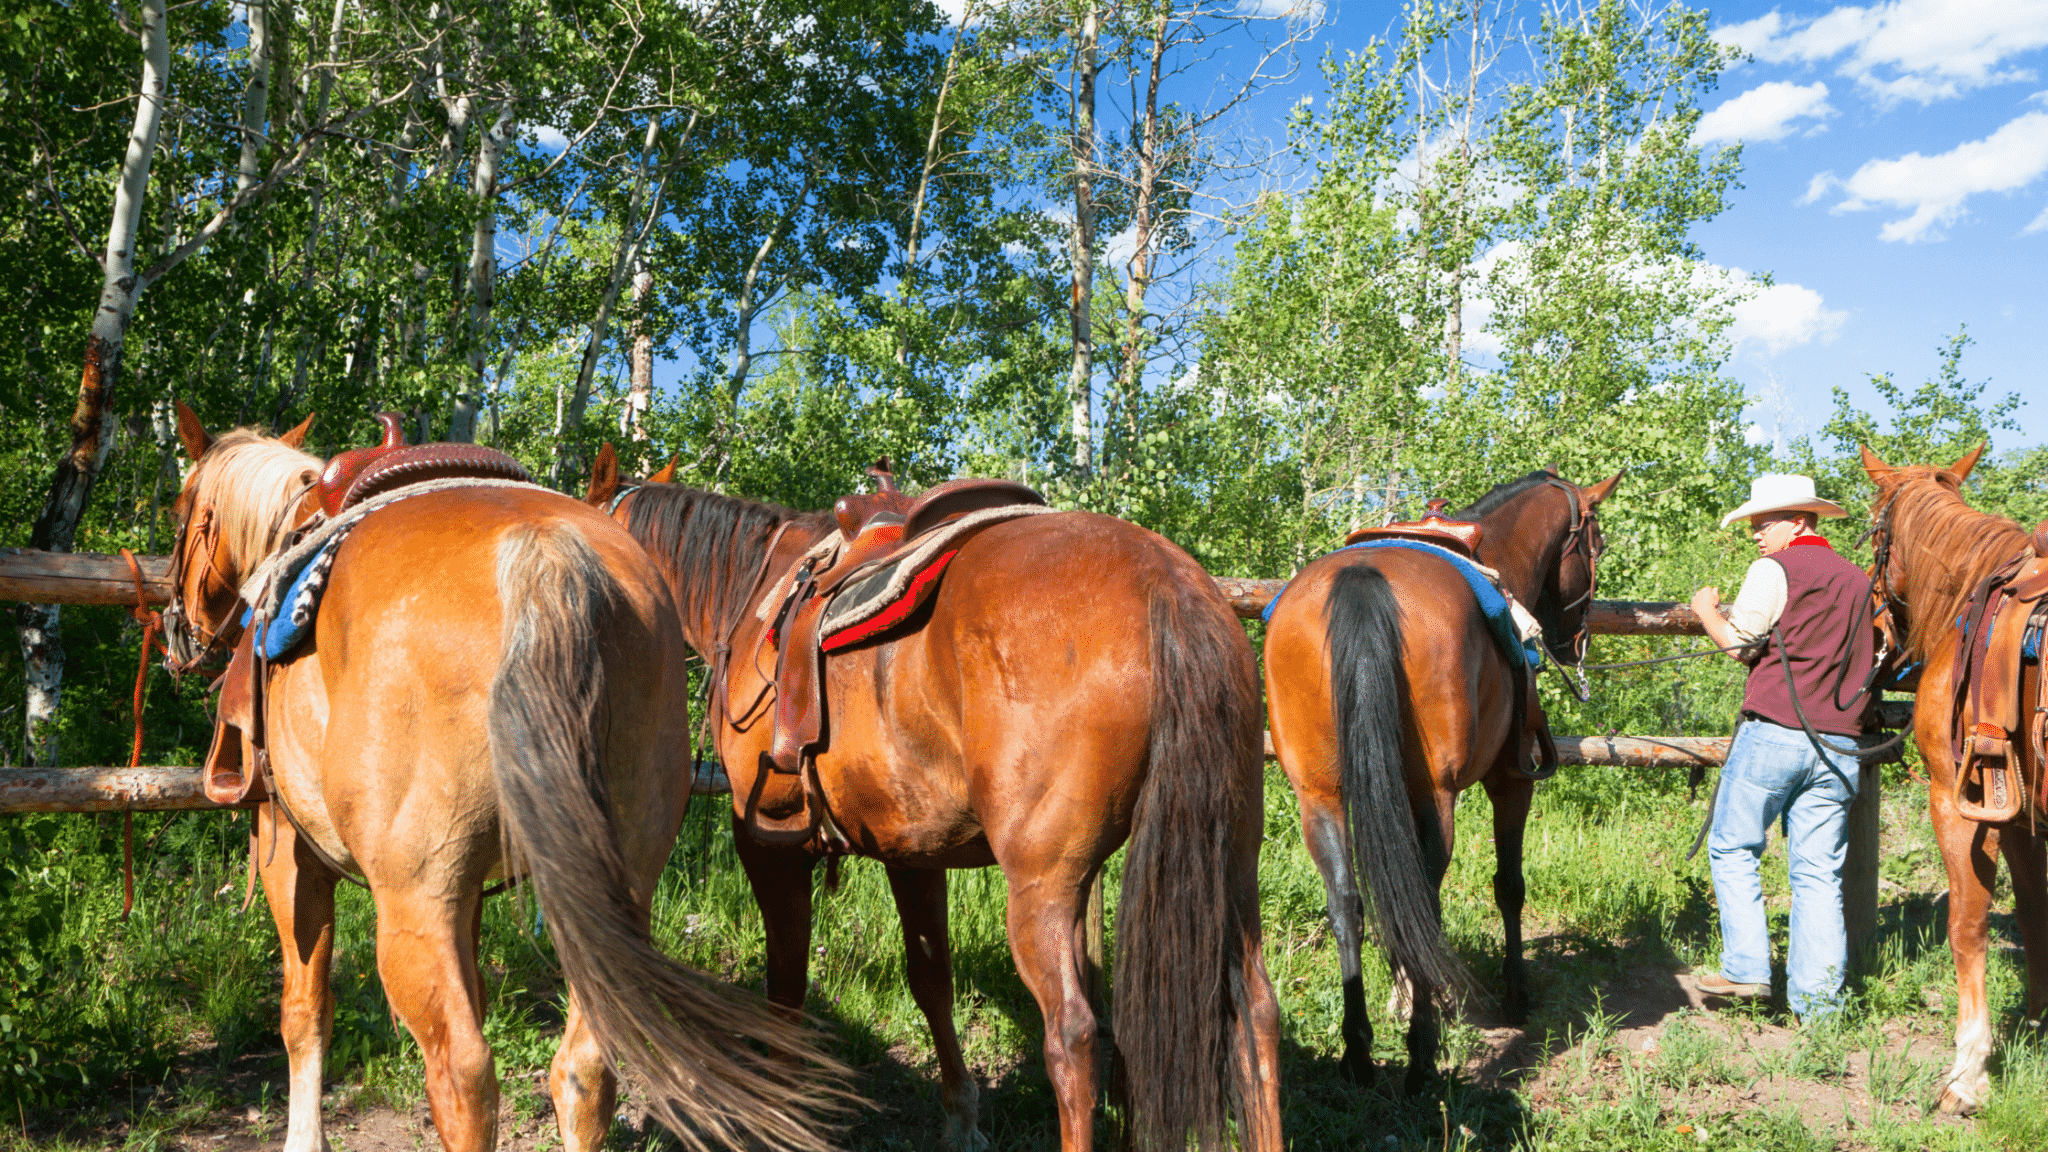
1393	851
1183	922
682	1032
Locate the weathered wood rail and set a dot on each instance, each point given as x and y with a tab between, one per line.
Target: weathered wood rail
97	578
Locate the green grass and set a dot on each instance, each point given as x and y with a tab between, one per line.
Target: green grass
182	998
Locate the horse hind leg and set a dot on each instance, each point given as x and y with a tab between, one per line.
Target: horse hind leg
426	956
1433	823
300	892
582	1084
1329	845
928	960
1044	917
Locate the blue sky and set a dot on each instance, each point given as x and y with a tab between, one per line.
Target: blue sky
1895	172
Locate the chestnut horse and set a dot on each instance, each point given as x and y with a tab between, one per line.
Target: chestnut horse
483	694
1933	549
1074	681
1388	696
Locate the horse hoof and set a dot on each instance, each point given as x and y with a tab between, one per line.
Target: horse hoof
1416	1082
1516	1009
1954	1103
1358	1070
963	1139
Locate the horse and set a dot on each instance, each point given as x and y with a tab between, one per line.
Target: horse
1387	696
1074	681
1932	550
482	698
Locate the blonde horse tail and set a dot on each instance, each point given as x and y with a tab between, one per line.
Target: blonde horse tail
721	1067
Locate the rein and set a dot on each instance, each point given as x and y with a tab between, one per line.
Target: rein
1580	535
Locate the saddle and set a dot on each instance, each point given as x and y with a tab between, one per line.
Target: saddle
237	761
1460	536
2002	633
360	473
890	553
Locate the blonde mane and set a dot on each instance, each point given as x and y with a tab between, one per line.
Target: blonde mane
249	478
1946	548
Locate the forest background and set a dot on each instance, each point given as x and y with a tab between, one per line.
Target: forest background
1033	238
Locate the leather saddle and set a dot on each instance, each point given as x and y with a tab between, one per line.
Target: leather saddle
235	760
360	473
2006	616
876	529
1460	536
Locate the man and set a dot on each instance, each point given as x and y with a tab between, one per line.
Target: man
1818	605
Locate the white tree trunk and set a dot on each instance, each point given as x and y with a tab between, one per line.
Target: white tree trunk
92	421
1081	309
640	395
483	269
255	97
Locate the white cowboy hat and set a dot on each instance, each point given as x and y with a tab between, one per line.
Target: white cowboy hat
1780	492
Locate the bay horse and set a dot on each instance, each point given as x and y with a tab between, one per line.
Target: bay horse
1075	681
1387	696
483	696
1932	551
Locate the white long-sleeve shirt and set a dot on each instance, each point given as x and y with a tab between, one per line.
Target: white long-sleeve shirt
1761	602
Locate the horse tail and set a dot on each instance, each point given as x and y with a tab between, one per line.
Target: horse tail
1181	929
683	1032
1363	621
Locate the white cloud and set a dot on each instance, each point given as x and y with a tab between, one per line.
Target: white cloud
1922	50
1755	434
549	137
2040	222
1783	316
1935	187
1765	112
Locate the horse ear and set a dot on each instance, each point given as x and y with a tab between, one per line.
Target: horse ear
297	436
667	475
1874	467
1550	468
192	433
604	476
1602	490
1962	467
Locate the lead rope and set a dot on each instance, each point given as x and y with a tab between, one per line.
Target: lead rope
152	622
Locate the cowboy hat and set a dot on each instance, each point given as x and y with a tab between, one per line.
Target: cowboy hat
1780	492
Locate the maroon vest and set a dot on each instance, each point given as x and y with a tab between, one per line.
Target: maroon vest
1826	598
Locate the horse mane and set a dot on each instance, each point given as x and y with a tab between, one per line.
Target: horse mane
1952	546
1500	494
712	545
250	478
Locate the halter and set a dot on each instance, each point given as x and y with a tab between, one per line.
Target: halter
174	616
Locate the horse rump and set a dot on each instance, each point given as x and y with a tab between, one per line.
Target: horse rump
1181	929
1362	619
680	1030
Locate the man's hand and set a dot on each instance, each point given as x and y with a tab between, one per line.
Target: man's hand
1706	600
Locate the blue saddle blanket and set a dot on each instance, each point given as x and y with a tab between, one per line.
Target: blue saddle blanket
1493	604
292	616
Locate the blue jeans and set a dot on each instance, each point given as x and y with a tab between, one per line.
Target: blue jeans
1772	774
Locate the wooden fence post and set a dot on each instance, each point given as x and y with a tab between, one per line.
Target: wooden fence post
1859	867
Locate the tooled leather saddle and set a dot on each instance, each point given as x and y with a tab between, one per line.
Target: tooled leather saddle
237	761
2002	635
887	557
1460	536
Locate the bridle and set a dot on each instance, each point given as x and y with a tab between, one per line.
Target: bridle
180	628
1583	535
1888	602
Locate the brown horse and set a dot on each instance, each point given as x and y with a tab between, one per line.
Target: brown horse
1388	696
1933	550
1074	681
484	695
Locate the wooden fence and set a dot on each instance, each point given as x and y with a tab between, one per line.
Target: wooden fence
93	578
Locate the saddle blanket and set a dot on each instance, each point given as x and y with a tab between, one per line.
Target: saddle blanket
872	601
1511	624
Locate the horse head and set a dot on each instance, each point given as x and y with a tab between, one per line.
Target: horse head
233	509
1543	533
608	489
1929	545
